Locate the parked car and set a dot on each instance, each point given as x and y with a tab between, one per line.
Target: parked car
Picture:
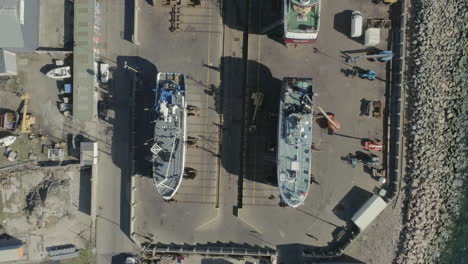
356	24
132	260
104	72
103	110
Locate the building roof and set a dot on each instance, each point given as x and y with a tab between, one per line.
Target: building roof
84	70
89	153
7	62
369	211
2	62
11	249
19	24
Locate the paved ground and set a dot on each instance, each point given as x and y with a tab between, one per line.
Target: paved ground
198	51
269	61
194	51
340	189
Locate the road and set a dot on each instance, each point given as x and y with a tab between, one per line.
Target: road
113	194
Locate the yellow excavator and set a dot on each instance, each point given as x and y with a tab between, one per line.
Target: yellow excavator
27	120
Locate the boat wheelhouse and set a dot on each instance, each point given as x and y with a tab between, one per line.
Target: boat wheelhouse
301	20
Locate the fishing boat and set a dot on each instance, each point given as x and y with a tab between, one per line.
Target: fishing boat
301	20
59	73
170	133
295	140
7	141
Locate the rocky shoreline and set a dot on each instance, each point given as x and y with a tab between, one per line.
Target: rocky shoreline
437	115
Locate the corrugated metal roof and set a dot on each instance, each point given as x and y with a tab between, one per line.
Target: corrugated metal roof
9	4
369	211
10	28
19	24
7	62
11	253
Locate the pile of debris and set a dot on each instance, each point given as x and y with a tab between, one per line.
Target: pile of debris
48	201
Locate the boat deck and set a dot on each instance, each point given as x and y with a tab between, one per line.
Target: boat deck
169	134
294	141
309	22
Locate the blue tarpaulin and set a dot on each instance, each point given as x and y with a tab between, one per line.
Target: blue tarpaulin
68	88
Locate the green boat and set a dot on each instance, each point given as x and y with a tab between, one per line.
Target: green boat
301	21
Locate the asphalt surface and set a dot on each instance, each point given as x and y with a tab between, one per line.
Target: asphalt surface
339	190
201	212
212	50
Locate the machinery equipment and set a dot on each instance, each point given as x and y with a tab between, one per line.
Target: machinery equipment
368	160
369	75
352	159
377	109
9	121
333	125
27	120
371	108
371	145
382	56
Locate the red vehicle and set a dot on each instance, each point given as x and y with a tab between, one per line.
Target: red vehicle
371	145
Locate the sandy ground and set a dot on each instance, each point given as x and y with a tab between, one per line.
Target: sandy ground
57	222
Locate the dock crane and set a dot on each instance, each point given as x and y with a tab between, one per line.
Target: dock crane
333	125
382	56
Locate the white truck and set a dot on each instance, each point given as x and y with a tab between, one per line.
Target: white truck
104	72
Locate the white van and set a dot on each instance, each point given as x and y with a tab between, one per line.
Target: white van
356	24
104	72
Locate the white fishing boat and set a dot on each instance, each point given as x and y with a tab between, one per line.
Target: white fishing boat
7	141
59	73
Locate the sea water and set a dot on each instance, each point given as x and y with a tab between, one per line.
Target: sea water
457	248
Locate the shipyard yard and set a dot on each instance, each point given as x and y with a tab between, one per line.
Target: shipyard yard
78	182
230	199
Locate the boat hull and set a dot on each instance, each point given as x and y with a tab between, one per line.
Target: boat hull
7	141
170	135
59	73
299	41
293	34
294	141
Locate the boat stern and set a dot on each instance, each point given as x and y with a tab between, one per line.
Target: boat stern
299	41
